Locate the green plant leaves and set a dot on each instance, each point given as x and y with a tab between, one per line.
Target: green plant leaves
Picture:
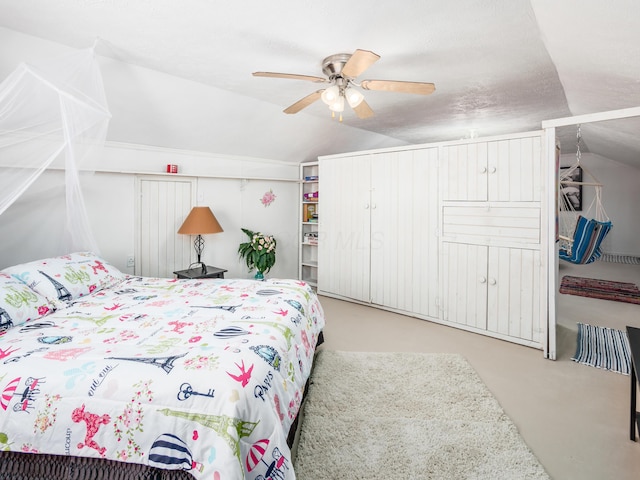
259	252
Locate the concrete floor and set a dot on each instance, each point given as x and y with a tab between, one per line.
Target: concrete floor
574	417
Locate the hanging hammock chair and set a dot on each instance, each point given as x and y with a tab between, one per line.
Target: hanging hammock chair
580	236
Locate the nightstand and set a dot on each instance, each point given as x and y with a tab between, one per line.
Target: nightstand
196	272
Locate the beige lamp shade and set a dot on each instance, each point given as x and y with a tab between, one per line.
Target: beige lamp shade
200	221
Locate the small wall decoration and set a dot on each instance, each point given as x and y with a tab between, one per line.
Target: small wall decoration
268	198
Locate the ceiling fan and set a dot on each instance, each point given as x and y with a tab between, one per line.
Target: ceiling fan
341	71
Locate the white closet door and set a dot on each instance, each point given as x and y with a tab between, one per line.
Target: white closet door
464	284
503	170
163	204
513	307
464	172
514	170
493	288
344	227
404	222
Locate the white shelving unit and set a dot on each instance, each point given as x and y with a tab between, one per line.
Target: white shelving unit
309	216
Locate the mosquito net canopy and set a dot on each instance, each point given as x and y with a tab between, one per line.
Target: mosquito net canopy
53	115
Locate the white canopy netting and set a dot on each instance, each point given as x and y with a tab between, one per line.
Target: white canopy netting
53	115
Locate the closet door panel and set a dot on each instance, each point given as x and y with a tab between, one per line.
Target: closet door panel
386	255
514	170
513	293
464	284
344	227
161	208
464	172
424	241
404	259
405	233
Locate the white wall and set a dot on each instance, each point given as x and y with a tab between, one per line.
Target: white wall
620	197
171	114
231	186
177	120
154	108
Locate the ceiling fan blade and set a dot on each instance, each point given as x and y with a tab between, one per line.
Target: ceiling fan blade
291	76
359	62
421	88
304	102
363	110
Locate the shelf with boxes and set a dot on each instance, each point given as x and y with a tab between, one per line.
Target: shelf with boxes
309	215
309	212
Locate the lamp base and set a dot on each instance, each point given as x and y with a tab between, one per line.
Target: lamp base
198	244
201	265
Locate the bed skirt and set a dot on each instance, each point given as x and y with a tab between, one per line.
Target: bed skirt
25	466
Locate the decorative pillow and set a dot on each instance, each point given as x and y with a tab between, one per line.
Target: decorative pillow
18	303
66	278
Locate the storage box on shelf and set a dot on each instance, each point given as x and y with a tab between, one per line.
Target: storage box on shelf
309	195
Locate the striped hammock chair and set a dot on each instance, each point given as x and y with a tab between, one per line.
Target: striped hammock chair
581	241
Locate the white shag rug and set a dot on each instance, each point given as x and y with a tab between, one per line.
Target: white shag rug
406	416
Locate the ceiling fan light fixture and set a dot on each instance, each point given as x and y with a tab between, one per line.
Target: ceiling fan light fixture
331	95
337	105
354	97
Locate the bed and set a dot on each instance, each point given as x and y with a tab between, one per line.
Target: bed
201	377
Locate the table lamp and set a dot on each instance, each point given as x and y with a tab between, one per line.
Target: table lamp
200	221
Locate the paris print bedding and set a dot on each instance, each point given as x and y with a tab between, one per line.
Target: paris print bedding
200	375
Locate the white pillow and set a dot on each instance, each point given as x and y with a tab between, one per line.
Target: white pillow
18	303
68	277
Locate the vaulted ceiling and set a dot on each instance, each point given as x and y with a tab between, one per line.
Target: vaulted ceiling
499	66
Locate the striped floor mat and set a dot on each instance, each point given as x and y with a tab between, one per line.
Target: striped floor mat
605	348
615	258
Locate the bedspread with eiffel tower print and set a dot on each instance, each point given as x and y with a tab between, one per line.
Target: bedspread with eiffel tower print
199	375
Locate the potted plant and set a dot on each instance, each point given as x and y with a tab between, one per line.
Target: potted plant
259	252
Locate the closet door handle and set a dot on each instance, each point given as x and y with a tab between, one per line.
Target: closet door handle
483	280
492	170
483	170
366	206
373	206
492	281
